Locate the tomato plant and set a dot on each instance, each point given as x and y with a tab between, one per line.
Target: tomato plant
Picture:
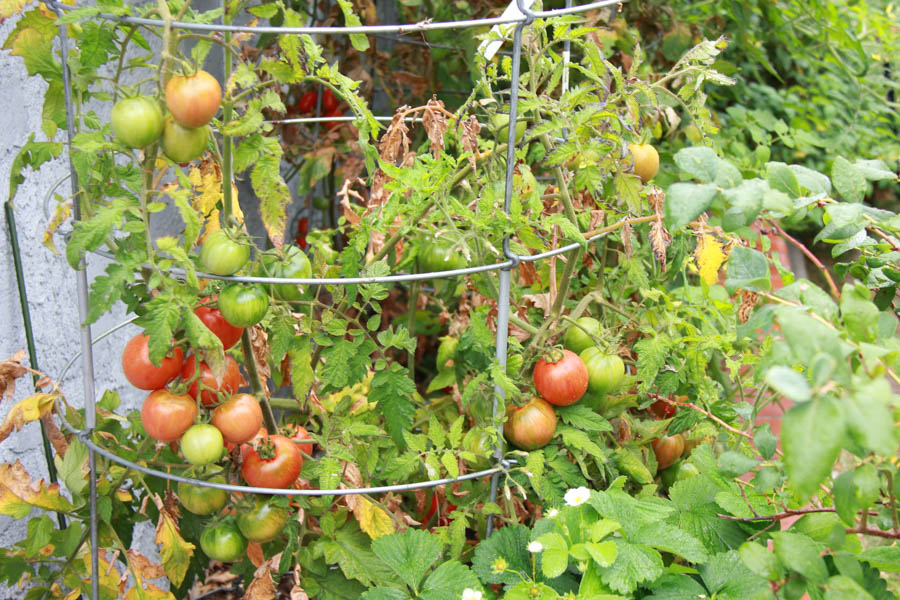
166	416
202	500
202	444
274	462
668	449
646	160
223	542
294	264
209	396
238	418
561	380
605	371
243	305
221	254
137	122
578	336
225	331
141	372
183	144
194	99
263	521
531	426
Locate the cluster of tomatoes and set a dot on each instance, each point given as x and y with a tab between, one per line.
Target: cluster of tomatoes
192	101
561	379
244	305
330	108
234	428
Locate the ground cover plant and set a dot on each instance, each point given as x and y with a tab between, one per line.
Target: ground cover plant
636	462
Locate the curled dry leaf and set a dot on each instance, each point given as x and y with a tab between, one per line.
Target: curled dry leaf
255	554
435	124
146	568
10	370
57	439
395	141
659	236
470	129
748	301
262	587
627	233
259	344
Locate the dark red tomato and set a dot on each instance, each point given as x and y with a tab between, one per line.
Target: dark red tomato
264	521
230	383
561	382
239	418
300	434
307	102
223	542
303	226
663	410
183	144
245	447
531	426
193	100
329	102
143	374
333	113
166	416
202	500
301	242
275	462
443	519
215	322
668	449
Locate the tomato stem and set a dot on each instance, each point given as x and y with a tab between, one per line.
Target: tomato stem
256	383
226	118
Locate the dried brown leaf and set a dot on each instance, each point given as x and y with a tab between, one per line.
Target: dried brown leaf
659	236
10	370
255	554
146	568
469	138
57	439
395	141
541	301
260	348
435	124
748	301
262	587
627	234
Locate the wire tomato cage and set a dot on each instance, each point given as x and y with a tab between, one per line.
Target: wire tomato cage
525	17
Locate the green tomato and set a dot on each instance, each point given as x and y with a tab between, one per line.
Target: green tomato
243	305
439	254
202	500
182	144
202	444
137	122
576	339
478	442
223	542
500	122
223	255
295	265
605	371
678	472
264	521
321	203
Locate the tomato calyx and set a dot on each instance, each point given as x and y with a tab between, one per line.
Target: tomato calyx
554	355
265	448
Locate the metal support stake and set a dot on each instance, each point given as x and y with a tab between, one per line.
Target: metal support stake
87	350
505	273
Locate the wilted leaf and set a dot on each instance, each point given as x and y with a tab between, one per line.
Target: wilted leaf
435	125
30	409
19	494
372	518
174	551
10	370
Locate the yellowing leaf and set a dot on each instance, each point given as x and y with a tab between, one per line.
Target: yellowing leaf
148	592
30	409
175	553
145	568
19	494
206	180
709	257
372	519
60	216
9	8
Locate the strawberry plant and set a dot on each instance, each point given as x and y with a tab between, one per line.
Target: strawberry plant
615	446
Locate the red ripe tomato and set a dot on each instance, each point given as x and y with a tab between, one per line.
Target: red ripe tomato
329	102
300	434
307	102
143	374
230	383
561	382
238	418
303	226
668	449
275	462
333	113
215	322
193	100
245	447
166	416
662	409
531	426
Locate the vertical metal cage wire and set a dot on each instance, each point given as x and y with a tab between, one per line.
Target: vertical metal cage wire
505	268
